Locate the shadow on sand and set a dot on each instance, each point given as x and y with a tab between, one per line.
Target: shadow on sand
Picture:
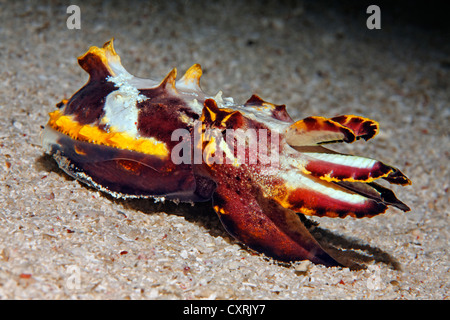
349	251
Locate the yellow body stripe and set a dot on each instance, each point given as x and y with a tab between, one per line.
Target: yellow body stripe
92	134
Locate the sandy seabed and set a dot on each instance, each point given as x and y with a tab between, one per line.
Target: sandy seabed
62	240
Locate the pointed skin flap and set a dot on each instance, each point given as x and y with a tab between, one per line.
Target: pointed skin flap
191	79
277	111
102	62
168	82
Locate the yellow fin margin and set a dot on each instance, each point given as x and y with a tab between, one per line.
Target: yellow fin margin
89	133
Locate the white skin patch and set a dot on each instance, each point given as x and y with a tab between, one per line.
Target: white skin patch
121	113
345	160
196	106
295	180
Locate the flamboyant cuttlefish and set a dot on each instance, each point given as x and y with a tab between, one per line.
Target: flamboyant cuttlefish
139	138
